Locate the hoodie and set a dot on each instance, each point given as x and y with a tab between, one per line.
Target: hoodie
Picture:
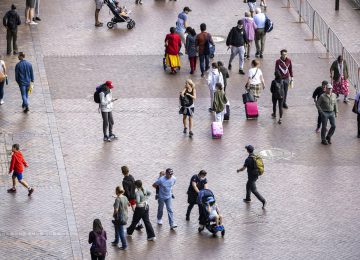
214	77
17	162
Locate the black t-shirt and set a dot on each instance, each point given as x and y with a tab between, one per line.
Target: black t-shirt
318	92
129	186
251	167
200	184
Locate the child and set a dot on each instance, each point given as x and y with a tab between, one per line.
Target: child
121	10
214	213
17	168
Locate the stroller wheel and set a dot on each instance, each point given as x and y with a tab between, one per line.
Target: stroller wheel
110	25
223	233
200	229
130	26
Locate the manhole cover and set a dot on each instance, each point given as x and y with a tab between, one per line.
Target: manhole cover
217	38
276	154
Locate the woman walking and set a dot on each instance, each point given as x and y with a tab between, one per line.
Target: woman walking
121	217
278	92
339	74
2	80
141	211
97	239
190	48
255	83
172	45
219	103
197	183
250	27
188	95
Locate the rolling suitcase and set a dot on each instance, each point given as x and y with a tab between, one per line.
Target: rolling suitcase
251	110
216	130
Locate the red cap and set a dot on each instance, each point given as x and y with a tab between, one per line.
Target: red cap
109	84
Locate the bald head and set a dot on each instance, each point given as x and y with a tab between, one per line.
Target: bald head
258	10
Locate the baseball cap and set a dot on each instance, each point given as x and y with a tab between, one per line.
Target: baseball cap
109	84
169	171
324	83
329	86
249	148
186	8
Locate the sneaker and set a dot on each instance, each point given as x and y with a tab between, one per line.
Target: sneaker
159	222
151	239
33	23
328	139
12	190
128	235
191	134
264	204
317	130
185	130
273	115
37	19
15	52
241	72
246	201
26	109
114	243
112	137
30	191
324	142
107	139
139	227
229	67
173	226
257	54
261	56
187	218
210	110
1	101
122	248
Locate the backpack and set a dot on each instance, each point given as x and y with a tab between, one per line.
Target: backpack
100	244
97	92
278	91
269	26
259	164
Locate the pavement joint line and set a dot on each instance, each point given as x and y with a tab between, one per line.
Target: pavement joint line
63	178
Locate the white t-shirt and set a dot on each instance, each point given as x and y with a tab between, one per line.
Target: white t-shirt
2	63
254	80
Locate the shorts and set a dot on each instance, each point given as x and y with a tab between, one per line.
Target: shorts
132	202
99	4
19	176
30	3
252	6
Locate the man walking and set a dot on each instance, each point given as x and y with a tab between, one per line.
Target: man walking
253	174
182	24
236	40
11	21
259	19
284	66
203	41
328	109
165	185
24	77
316	95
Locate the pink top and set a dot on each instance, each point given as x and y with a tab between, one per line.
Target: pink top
249	26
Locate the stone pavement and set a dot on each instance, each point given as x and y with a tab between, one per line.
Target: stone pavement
311	190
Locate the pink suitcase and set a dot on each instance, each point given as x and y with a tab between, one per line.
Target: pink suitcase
251	110
217	130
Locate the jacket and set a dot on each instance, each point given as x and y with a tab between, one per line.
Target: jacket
106	104
11	20
220	101
201	40
236	37
190	45
250	27
24	73
17	162
277	89
327	103
334	68
214	77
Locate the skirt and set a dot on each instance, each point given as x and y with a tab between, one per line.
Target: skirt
255	90
172	61
341	87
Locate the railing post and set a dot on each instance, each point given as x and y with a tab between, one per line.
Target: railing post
328	40
342	52
313	27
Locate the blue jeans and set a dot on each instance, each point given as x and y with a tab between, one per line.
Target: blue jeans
325	117
168	203
121	235
204	58
24	94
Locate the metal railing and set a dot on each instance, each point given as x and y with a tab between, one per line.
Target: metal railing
356	2
322	32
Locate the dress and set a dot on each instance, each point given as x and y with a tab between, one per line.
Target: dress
340	78
172	50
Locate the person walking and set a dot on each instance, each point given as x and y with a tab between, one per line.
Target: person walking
252	6
121	217
316	95
278	92
190	48
182	24
357	110
253	174
17	169
328	109
97	239
219	104
214	77
236	40
3	79
165	185
24	77
98	6
37	11
284	66
256	82
141	211
29	12
11	21
250	27
224	72
260	34
203	41
189	92
106	107
197	183
172	46
339	75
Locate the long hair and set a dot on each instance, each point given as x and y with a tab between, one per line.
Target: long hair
97	227
138	184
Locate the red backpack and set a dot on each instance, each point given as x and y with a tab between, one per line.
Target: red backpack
100	243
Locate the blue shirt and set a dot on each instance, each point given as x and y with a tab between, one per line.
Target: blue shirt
357	98
165	186
24	73
180	23
259	20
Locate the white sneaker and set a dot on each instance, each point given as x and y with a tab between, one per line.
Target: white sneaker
159	222
33	23
173	226
1	102
151	238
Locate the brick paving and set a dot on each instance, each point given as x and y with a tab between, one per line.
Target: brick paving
311	191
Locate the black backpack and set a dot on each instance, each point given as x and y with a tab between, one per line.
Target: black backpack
269	26
279	90
97	92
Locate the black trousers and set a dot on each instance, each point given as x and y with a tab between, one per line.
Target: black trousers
141	213
280	101
319	120
358	121
251	187
286	88
190	207
11	37
108	121
95	257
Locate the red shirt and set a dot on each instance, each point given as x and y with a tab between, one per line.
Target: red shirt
17	162
174	43
284	67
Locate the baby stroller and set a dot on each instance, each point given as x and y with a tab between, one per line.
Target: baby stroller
118	18
204	196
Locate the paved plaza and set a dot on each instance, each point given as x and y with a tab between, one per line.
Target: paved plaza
312	190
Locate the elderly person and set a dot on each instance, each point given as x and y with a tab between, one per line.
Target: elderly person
259	19
188	93
121	217
214	77
255	83
250	27
339	74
